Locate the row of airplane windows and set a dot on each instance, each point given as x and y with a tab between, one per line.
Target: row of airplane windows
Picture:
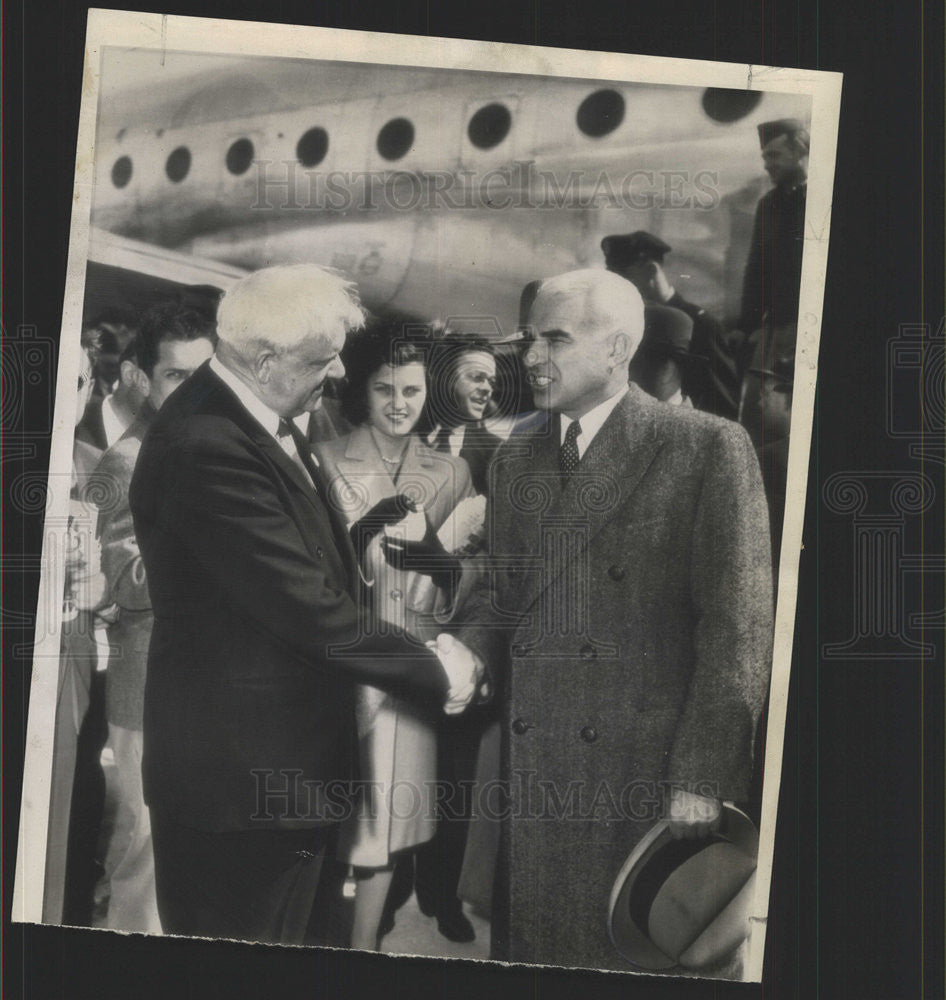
599	114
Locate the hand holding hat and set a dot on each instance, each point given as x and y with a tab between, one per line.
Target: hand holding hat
686	902
692	816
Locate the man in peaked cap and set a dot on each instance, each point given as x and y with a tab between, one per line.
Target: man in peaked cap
773	270
663	365
713	387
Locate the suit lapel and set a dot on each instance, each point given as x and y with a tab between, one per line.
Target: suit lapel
364	473
610	470
421	475
212	393
295	471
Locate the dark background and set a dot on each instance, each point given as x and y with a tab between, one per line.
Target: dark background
858	889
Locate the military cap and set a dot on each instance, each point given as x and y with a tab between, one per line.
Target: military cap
620	251
794	128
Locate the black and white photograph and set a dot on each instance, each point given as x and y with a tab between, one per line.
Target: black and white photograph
422	535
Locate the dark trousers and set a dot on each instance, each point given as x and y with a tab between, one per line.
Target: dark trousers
440	860
84	867
251	885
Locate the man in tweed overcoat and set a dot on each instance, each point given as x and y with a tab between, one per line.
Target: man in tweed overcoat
626	619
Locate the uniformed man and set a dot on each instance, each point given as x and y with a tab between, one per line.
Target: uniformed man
773	270
639	258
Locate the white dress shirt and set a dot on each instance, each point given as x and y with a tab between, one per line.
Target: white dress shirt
262	413
592	421
112	423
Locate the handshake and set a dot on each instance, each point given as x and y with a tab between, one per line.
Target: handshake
463	668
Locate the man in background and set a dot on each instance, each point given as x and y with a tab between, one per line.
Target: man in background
106	418
639	257
773	270
664	362
171	344
76	786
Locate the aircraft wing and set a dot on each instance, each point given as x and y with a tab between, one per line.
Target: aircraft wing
135	275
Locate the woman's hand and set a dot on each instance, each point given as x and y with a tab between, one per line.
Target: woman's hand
427	557
390	510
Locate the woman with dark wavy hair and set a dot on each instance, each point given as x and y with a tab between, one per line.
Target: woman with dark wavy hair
383	458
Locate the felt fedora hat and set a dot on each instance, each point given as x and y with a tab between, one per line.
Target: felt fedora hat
685	902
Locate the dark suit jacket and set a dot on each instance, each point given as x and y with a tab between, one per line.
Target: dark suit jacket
256	642
713	386
773	270
630	626
479	447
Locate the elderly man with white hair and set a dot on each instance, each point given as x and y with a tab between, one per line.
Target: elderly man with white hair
249	727
626	621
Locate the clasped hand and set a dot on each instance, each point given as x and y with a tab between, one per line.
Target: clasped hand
463	668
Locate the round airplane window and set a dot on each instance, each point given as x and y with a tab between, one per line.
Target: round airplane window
240	156
489	126
724	106
395	138
600	113
121	171
312	147
178	164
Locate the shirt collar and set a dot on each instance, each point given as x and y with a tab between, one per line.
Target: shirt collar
592	421
677	399
112	423
256	407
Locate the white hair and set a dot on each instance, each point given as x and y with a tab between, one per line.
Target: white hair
279	307
610	303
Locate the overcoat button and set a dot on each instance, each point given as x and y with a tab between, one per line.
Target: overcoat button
589	734
319	552
617	573
520	727
588	652
396	595
520	649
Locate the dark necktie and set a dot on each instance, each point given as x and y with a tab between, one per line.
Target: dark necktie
568	456
288	429
442	441
284	430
